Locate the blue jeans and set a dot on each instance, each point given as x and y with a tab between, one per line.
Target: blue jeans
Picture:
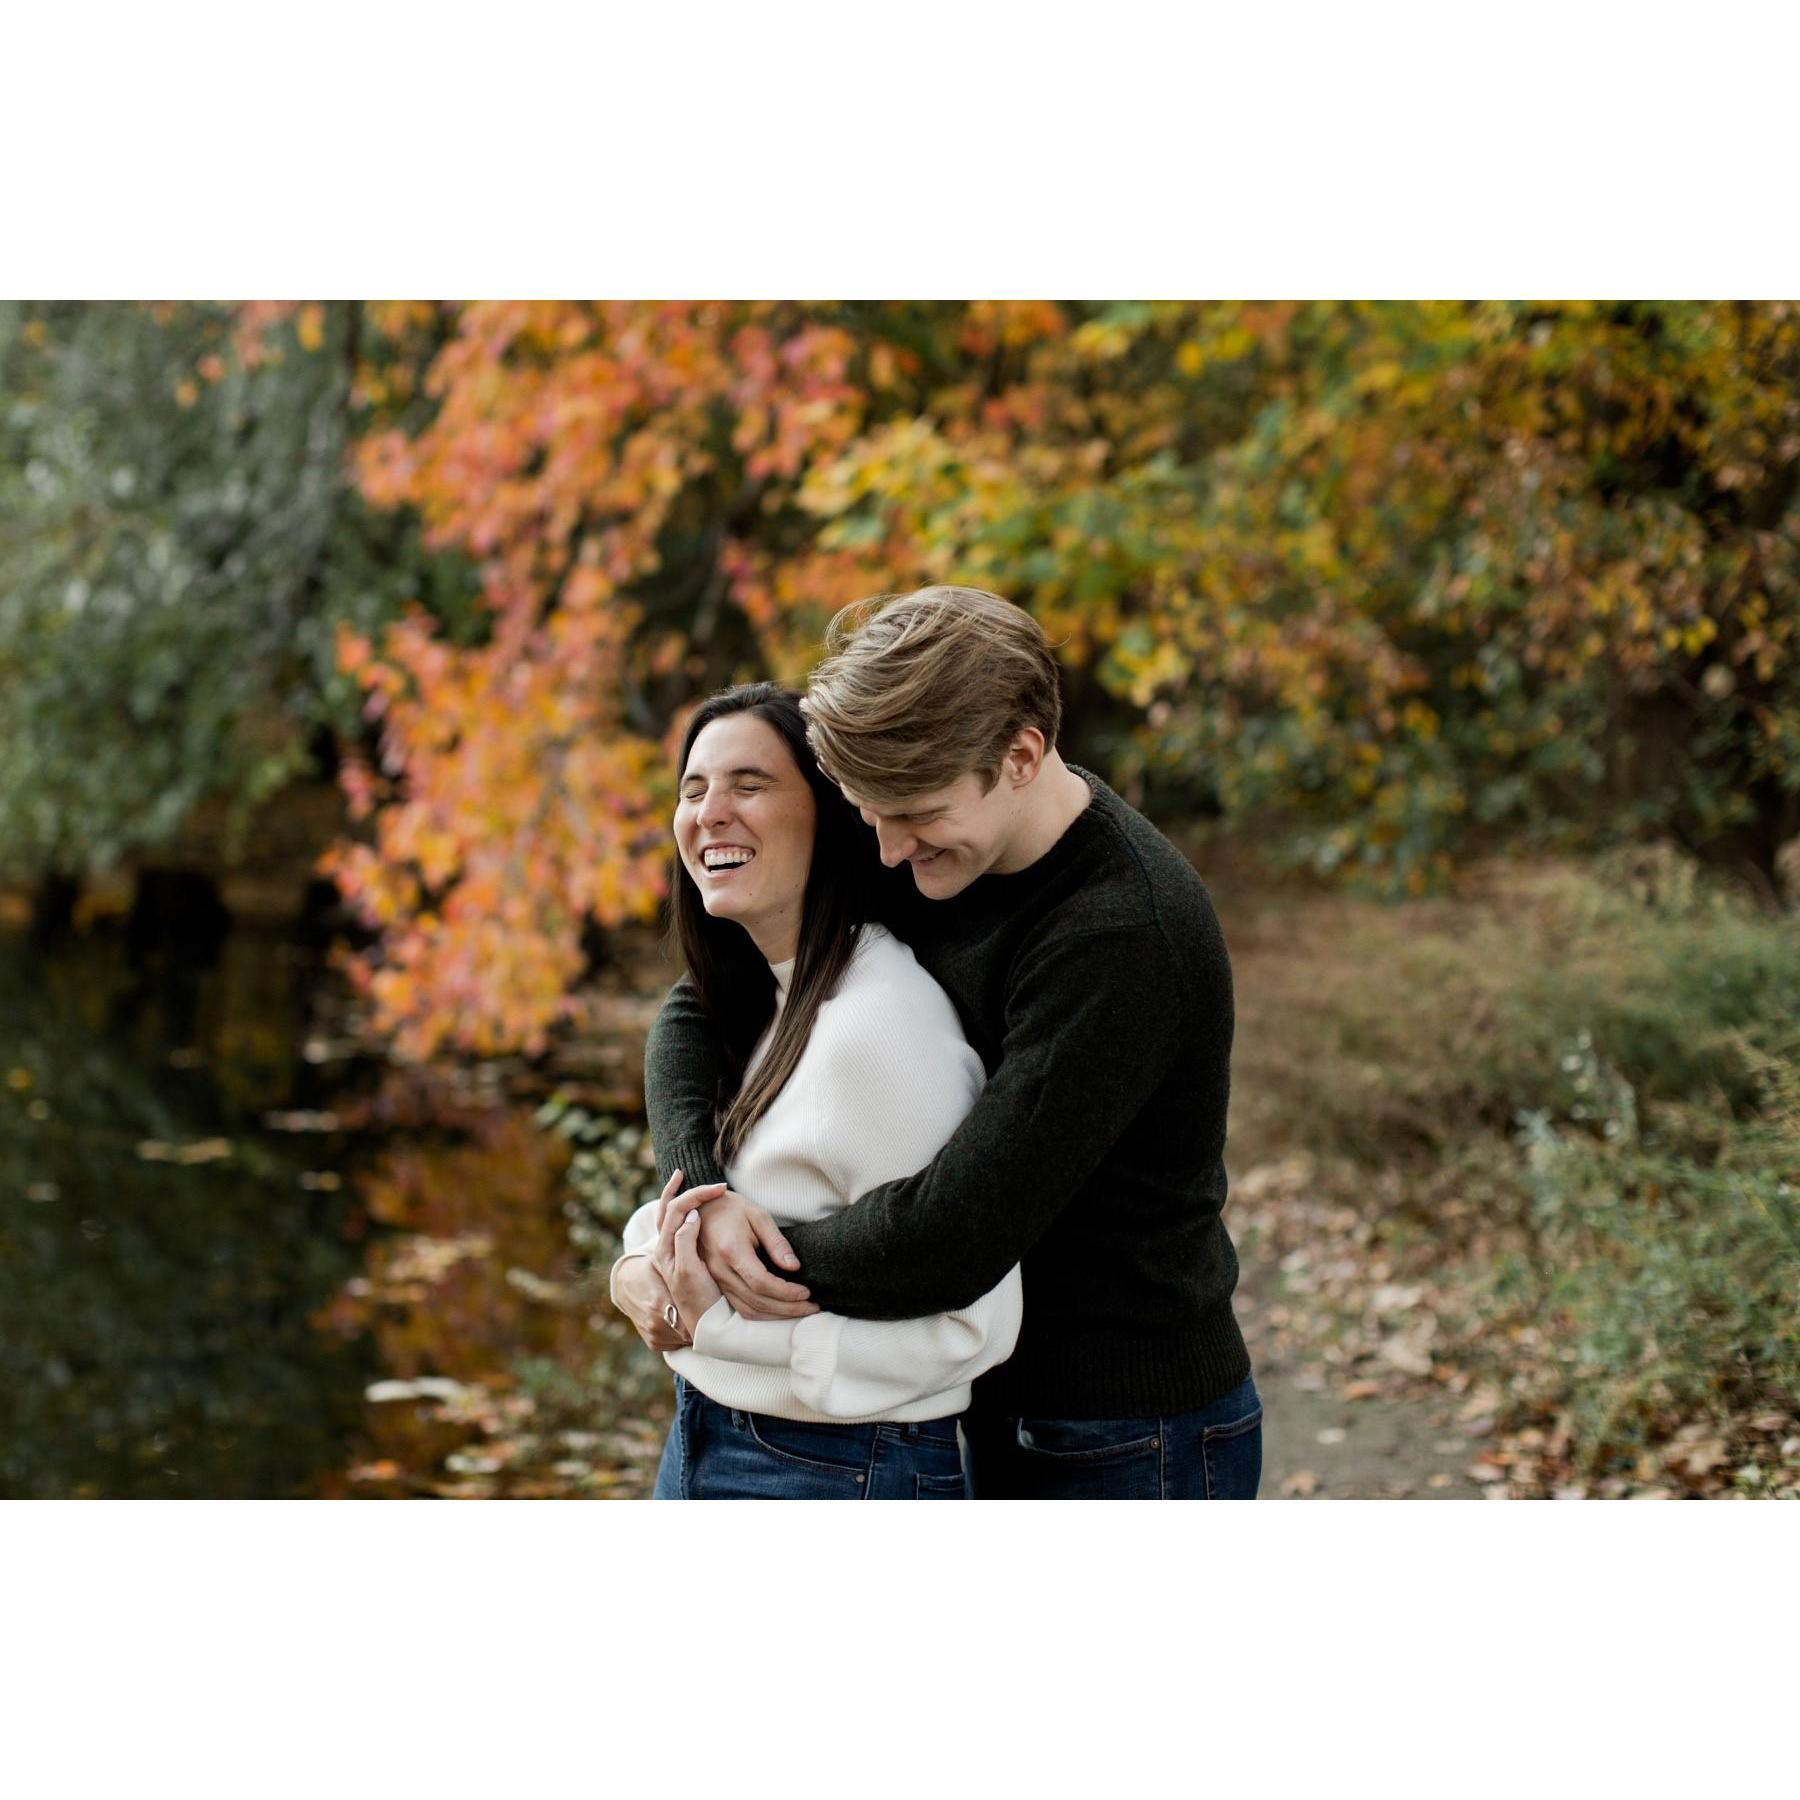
721	1453
1212	1454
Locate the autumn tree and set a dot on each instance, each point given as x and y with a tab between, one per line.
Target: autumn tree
1396	579
1387	580
1565	538
607	465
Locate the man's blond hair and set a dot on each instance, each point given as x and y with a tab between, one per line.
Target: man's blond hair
920	689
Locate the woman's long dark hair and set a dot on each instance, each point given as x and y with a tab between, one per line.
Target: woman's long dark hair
846	886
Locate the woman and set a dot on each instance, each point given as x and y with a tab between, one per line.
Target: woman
847	1069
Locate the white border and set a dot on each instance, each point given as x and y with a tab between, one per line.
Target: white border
1546	147
232	1648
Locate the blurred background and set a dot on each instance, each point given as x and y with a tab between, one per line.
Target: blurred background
341	649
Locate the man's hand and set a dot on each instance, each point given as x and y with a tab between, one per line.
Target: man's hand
731	1230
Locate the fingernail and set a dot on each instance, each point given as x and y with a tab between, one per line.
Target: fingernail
692	1217
674	1174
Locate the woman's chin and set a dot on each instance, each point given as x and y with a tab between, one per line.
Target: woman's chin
723	905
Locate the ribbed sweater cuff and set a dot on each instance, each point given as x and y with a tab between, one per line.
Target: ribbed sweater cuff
693	1157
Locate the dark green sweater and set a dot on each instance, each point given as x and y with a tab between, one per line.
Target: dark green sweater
1096	988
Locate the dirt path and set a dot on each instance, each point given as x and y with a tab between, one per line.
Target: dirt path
1342	1347
1317	1444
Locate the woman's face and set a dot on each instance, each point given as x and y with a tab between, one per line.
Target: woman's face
744	829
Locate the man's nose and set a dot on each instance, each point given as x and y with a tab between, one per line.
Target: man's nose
896	845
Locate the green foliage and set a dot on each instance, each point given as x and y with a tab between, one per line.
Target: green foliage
612	1171
1601	1066
1507	568
612	1174
178	538
1669	1259
1663	1164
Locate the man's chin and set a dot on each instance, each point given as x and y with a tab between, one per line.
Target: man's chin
937	880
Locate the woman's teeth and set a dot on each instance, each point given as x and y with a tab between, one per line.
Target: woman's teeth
725	858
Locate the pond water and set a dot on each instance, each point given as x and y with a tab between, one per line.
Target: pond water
237	1261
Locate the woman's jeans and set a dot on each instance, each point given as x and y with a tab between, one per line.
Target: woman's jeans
721	1453
1212	1454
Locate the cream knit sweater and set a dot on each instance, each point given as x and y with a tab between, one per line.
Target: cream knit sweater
885	1077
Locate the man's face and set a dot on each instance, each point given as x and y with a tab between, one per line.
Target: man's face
950	837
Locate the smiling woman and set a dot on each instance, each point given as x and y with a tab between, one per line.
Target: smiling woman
766	845
744	828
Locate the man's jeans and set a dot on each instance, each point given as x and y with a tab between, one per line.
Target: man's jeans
1212	1454
721	1453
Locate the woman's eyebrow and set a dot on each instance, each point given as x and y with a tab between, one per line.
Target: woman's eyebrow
747	769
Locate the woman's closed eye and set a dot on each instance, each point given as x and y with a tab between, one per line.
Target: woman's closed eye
743	787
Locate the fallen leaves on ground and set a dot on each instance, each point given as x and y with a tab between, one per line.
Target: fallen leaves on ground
1377	1305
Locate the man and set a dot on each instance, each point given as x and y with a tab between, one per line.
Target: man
1086	962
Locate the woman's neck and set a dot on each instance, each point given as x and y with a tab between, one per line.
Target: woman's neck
779	941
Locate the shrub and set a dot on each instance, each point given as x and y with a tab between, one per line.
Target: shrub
1620	1043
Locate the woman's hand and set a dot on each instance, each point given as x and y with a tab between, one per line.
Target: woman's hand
676	1257
641	1294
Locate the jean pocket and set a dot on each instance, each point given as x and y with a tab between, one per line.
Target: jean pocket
939	1487
1236	1428
1088	1440
1088	1459
1231	1455
828	1449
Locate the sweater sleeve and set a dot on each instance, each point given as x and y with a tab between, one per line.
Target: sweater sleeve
681	1079
850	1368
637	1239
1092	1022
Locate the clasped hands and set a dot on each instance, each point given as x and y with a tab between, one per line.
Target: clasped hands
706	1247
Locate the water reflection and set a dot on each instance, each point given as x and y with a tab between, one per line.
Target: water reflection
160	1256
227	1270
477	1279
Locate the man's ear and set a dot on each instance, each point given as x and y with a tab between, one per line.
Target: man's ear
1024	756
